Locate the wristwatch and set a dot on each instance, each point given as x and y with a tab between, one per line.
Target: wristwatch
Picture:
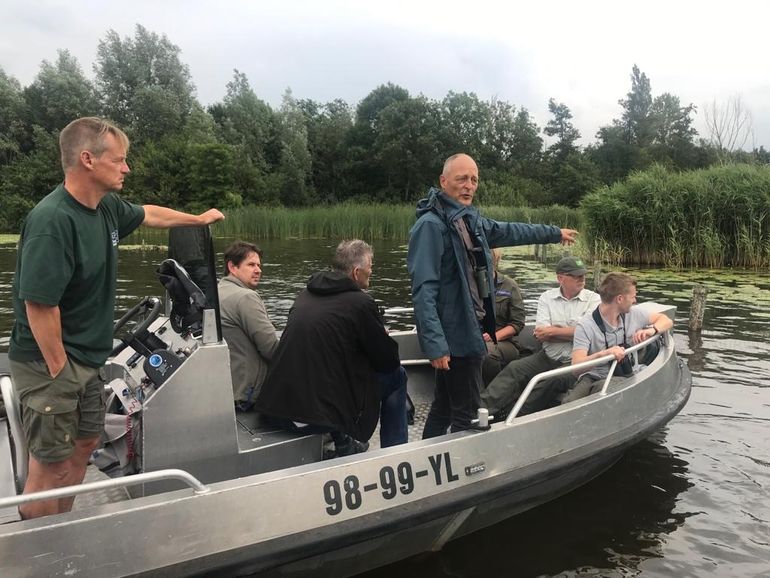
655	329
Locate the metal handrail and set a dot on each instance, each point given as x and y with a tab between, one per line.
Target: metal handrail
409	362
170	474
572	368
17	433
400	310
397	310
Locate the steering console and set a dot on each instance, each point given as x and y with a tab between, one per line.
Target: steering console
139	338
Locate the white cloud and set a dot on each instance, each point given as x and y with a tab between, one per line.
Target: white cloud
579	53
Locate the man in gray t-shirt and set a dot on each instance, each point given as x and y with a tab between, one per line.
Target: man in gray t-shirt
621	325
558	311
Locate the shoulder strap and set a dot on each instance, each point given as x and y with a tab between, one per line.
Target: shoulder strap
597	317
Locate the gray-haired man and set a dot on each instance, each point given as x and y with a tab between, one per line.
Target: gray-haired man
335	365
558	312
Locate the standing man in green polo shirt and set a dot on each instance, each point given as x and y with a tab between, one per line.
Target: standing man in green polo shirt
64	301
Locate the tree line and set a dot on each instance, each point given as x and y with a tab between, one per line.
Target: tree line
387	148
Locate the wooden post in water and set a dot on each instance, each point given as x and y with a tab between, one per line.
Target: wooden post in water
598	276
697	307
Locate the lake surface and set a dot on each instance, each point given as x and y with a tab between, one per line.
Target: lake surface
693	500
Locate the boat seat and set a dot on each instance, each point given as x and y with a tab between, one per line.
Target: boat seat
276	448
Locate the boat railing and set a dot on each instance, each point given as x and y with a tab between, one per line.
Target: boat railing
403	310
17	432
67	491
577	368
547	374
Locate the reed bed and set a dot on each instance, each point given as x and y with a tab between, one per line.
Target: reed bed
375	221
347	221
369	222
713	217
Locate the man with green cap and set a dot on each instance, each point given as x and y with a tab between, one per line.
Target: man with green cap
558	312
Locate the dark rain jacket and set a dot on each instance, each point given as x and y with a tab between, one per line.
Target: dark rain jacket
323	372
443	305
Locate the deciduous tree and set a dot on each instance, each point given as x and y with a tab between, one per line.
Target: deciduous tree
295	164
12	118
328	126
142	83
561	127
730	126
60	93
407	148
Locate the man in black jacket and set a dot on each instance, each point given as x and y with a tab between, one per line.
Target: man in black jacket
335	362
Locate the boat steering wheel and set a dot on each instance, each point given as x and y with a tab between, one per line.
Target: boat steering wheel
151	305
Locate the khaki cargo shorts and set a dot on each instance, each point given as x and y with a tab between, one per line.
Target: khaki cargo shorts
57	411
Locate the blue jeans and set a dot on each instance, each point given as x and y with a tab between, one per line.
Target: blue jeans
393	430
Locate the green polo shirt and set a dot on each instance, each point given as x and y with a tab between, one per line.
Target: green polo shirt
68	256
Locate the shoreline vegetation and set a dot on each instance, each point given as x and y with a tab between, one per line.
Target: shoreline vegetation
707	218
648	190
371	222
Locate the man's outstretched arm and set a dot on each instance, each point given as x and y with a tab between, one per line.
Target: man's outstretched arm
163	217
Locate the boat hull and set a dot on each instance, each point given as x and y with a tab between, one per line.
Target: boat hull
345	516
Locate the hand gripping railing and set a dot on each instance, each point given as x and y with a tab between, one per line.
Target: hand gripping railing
170	474
572	368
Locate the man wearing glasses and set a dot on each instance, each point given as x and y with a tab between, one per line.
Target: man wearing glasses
558	312
450	263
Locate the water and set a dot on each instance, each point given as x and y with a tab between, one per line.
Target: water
693	500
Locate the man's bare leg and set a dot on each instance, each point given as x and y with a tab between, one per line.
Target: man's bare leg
48	476
42	476
79	459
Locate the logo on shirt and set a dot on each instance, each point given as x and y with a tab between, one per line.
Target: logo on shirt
115	238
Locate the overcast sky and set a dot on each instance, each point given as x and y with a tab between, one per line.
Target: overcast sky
577	52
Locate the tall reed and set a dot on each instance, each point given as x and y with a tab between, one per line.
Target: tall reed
712	217
348	220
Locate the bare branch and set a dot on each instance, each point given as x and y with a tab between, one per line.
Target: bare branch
730	126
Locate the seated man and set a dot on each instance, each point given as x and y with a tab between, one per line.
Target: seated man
609	330
335	361
250	336
509	320
558	311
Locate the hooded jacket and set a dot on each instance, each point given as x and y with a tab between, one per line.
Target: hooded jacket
443	305
324	370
